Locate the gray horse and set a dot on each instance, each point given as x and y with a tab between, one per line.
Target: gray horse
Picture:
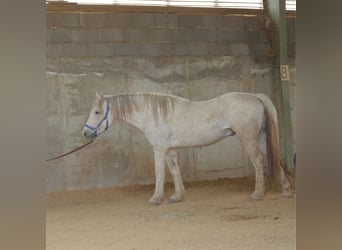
171	122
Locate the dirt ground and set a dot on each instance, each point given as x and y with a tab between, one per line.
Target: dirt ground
214	216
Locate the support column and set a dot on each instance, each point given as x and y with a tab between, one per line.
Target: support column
276	13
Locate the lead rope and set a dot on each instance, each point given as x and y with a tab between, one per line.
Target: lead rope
70	152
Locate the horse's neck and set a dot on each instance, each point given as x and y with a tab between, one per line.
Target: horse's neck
128	108
138	109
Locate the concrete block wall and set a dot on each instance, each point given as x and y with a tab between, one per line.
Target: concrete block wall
153	34
193	56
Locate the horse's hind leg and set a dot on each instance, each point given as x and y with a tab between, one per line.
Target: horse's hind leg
171	159
159	165
286	186
262	143
256	157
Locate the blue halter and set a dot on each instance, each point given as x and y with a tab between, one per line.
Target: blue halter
105	118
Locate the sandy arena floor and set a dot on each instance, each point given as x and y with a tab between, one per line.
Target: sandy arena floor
214	216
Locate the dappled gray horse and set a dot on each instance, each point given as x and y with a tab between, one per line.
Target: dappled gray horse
171	122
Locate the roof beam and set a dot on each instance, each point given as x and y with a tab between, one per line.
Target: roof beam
67	7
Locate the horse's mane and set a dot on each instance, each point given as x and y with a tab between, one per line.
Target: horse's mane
158	104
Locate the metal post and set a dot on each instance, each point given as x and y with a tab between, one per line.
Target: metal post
275	10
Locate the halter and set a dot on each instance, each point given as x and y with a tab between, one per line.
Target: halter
105	118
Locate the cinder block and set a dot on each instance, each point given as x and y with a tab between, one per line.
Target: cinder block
233	22
49	19
126	49
140	35
239	49
92	20
190	21
183	35
263	36
156	49
191	49
59	35
84	35
158	35
227	35
181	48
135	35
117	19
205	35
254	22
160	20
145	20
172	21
111	34
74	50
249	36
53	50
100	49
62	20
219	49
212	21
260	49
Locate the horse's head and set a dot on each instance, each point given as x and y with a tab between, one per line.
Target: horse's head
99	119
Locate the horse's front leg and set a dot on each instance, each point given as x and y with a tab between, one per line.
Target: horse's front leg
171	159
159	165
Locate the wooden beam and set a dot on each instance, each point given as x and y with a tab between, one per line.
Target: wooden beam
66	7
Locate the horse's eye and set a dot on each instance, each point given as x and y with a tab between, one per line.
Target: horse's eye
97	112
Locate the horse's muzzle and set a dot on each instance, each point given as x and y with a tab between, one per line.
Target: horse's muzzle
88	134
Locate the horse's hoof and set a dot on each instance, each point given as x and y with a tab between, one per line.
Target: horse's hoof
256	197
155	202
287	194
151	203
174	200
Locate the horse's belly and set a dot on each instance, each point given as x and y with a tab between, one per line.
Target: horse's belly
197	137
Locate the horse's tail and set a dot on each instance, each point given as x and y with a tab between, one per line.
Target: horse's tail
272	137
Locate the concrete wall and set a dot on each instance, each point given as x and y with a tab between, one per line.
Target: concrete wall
193	56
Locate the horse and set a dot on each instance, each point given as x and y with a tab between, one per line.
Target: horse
171	122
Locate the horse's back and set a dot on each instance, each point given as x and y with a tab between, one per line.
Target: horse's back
210	120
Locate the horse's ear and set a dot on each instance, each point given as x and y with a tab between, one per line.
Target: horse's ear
99	96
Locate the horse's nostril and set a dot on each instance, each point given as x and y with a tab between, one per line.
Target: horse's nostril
85	133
